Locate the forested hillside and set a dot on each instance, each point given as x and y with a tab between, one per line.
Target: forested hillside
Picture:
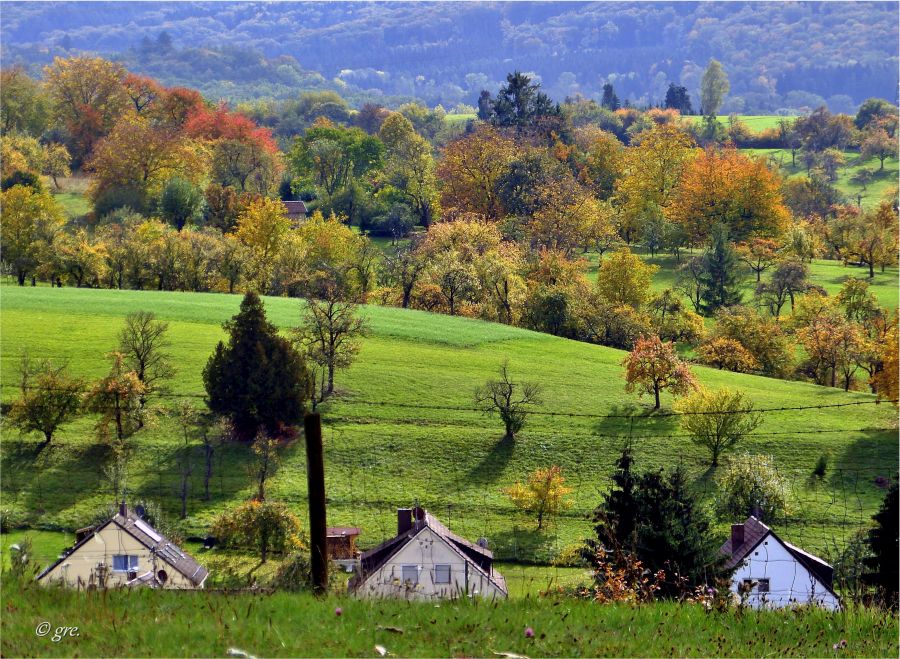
780	56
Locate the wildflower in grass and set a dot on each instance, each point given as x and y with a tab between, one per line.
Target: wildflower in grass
338	612
529	632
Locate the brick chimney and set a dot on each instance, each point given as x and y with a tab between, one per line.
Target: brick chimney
404	520
737	536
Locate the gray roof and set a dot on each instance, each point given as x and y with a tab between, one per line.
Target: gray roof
480	558
754	533
141	531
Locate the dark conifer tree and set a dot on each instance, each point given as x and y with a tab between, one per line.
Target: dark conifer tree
884	541
609	100
257	379
677	98
653	517
721	274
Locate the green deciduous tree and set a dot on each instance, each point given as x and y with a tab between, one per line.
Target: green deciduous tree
49	398
717	419
714	87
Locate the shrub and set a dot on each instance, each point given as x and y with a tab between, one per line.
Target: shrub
293	575
263	525
751	485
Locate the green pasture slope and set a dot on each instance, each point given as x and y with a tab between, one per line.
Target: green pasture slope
385	447
207	624
755	122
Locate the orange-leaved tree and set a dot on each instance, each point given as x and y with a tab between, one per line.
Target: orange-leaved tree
727	188
653	366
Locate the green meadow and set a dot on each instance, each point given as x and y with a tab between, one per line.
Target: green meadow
208	624
401	429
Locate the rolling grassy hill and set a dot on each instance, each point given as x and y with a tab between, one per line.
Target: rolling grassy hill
390	441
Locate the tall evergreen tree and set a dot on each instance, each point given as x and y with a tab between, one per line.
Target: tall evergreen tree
884	541
654	517
721	275
677	98
257	379
520	102
609	100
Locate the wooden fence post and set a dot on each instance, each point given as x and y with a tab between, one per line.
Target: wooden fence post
315	483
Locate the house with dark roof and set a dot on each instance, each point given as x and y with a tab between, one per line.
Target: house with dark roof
425	560
774	573
124	551
295	211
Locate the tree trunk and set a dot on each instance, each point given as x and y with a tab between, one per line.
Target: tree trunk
330	389
656	395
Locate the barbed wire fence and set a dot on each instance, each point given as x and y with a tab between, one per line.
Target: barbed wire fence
371	473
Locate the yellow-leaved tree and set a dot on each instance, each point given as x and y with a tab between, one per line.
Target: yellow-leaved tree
261	228
543	494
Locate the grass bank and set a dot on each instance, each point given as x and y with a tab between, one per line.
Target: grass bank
189	624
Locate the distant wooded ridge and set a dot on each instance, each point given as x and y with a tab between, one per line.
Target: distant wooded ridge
781	57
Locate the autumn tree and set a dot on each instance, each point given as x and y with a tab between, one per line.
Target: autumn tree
886	379
759	254
543	495
510	400
725	187
31	222
88	95
404	268
872	237
117	398
651	170
470	168
409	167
599	160
181	202
788	281
141	156
257	379
261	228
727	354
267	526
243	154
49	397
878	144
653	366
623	278
831	344
717	419
761	336
24	105
56	162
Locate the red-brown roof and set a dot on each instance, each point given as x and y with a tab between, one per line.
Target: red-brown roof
295	208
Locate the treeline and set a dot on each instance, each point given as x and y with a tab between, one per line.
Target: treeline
782	57
187	196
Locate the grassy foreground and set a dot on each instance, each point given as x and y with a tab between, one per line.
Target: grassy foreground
385	447
149	623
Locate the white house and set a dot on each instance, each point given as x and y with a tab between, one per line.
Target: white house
426	561
124	551
775	573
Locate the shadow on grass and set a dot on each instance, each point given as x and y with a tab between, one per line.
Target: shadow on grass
636	420
492	465
528	544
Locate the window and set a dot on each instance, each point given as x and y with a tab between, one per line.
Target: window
762	585
124	563
441	574
410	574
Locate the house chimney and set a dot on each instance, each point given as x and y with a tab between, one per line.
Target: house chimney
737	536
404	520
123	509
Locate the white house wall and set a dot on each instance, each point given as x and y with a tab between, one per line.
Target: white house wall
426	550
790	583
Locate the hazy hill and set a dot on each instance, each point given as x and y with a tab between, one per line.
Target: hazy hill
778	55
